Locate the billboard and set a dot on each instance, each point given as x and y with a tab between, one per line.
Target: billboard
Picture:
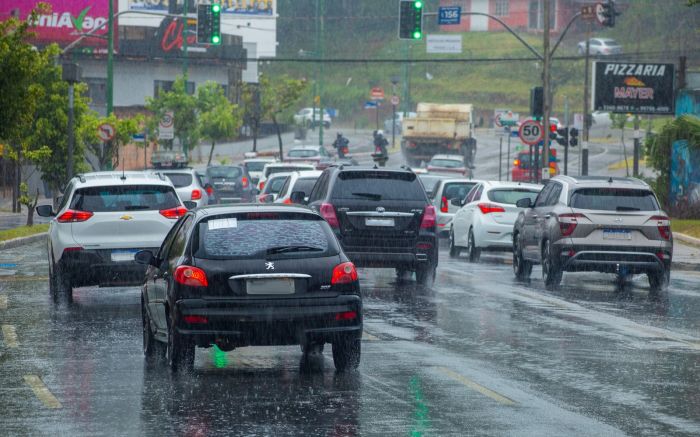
685	179
633	88
246	7
65	21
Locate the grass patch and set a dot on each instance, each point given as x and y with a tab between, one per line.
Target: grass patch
687	227
23	231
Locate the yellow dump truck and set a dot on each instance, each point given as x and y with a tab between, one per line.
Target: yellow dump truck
439	128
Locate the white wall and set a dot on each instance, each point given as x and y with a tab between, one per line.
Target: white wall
479	23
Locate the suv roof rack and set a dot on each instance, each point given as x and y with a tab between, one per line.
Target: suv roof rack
80	177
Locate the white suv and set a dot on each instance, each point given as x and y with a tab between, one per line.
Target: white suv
103	219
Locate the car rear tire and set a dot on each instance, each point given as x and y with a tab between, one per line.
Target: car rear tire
425	275
658	281
521	267
152	348
473	251
454	250
180	351
551	270
346	353
59	283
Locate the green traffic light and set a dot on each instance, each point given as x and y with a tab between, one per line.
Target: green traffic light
216	8
216	39
416	35
418	4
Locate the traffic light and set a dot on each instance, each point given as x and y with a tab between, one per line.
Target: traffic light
411	19
609	13
536	101
562	136
209	23
573	137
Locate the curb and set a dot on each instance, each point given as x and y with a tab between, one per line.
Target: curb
687	239
21	241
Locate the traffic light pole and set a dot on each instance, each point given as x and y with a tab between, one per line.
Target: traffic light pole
583	159
546	106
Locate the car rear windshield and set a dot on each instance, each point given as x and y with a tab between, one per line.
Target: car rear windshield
303	153
255	165
304	185
614	199
378	185
447	163
180	179
125	198
510	196
457	190
287	169
263	235
275	185
429	182
225	172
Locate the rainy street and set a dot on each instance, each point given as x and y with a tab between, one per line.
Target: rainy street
478	353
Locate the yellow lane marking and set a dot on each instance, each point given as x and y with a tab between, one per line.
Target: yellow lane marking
13	278
9	335
477	387
41	391
3	302
367	336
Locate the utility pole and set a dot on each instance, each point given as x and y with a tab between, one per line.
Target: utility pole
583	151
320	85
185	8
566	126
405	71
546	91
110	59
637	144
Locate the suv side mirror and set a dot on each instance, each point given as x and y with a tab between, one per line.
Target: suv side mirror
145	257
525	202
45	211
189	204
298	197
456	202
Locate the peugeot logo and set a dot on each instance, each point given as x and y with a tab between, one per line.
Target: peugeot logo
269	265
380	209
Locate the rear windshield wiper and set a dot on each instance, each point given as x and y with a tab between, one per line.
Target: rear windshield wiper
627	208
286	249
136	207
372	196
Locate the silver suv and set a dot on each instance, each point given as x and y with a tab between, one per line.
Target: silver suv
190	185
603	224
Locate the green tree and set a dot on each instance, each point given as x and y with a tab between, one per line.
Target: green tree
125	128
218	118
184	107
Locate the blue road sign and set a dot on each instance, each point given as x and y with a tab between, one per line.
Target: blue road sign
449	15
370	104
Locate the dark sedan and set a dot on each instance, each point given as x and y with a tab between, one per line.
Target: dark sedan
249	275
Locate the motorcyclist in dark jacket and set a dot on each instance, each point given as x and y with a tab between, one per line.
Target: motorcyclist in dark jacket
341	145
381	143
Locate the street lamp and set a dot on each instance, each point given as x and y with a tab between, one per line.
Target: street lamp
394	82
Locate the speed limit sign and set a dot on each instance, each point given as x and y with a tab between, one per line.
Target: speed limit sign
530	132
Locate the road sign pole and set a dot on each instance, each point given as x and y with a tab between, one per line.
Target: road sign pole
393	123
71	134
508	157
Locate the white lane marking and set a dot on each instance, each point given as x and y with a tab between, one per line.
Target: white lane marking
369	337
477	387
3	302
9	335
42	392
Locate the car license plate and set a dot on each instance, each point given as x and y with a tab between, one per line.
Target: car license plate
379	222
270	286
123	255
617	234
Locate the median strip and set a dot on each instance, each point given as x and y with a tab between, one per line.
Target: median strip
42	392
477	387
9	335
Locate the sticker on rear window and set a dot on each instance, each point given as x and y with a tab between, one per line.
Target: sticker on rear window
223	223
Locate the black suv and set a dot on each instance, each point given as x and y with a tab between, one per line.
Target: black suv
232	184
381	217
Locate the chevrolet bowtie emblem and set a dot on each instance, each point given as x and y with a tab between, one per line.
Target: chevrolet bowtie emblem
126	217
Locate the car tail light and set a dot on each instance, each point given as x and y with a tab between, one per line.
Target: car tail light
346	315
443	205
194	319
328	213
663	256
429	217
191	276
424	246
488	208
288	201
262	185
412	145
344	273
173	213
244	182
196	194
210	190
568	222
72	249
663	224
72	216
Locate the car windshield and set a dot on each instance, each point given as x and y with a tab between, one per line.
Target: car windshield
378	185
447	163
124	198
614	199
180	180
255	165
252	235
510	196
303	153
224	172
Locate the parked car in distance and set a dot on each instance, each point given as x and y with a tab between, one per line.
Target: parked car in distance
250	275
603	224
600	46
522	170
281	167
102	220
484	219
189	185
255	166
447	164
298	182
445	191
272	187
314	154
231	184
307	117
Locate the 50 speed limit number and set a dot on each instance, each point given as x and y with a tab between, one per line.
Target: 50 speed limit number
530	132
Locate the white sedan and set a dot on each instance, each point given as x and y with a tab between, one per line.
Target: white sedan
486	217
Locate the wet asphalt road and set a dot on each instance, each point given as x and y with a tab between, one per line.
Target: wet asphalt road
477	354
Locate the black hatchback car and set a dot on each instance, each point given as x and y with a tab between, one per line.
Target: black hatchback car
232	184
382	218
249	275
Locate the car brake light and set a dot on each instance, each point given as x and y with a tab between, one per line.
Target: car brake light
346	315
210	190
173	213
72	249
262	185
196	194
443	205
663	224
287	201
568	222
72	216
429	217
191	276
344	273
193	319
244	182
488	208
328	213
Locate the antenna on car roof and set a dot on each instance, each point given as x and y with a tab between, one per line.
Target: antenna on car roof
80	177
610	181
